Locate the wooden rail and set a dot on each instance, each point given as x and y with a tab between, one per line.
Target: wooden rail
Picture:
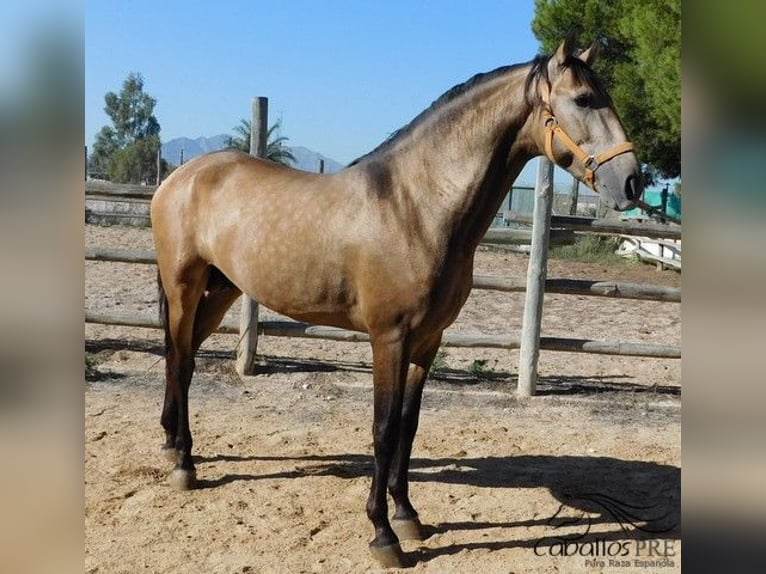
464	340
615	289
611	226
119	190
563	227
118	203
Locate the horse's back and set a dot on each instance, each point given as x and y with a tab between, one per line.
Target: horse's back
220	187
263	225
205	176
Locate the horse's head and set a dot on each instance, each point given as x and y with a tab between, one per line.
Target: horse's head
578	128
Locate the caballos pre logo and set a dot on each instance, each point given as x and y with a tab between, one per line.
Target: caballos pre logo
610	549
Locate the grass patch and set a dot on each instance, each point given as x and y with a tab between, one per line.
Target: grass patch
91	370
440	362
478	368
590	248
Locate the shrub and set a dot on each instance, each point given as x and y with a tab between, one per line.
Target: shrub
590	248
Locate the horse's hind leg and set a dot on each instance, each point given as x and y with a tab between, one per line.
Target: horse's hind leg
405	521
169	417
183	295
219	295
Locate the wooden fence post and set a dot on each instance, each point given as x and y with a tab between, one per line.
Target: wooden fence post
537	270
248	317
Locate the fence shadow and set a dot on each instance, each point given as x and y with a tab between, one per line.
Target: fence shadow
577	385
138	345
445	377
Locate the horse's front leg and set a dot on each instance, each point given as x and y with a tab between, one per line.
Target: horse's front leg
389	372
405	522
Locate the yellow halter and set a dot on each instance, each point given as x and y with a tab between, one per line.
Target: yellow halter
590	163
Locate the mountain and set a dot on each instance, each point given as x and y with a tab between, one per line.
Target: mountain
308	160
171	150
305	159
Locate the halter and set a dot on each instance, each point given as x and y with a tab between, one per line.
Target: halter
590	162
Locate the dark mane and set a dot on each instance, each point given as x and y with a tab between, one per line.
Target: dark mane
585	76
539	71
450	95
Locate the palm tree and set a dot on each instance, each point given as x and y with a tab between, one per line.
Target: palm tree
276	151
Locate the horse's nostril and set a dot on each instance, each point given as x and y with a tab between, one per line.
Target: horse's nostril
632	188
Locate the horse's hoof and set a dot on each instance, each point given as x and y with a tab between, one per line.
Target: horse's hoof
390	556
170	454
408	529
181	479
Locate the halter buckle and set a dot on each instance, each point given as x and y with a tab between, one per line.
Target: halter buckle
591	161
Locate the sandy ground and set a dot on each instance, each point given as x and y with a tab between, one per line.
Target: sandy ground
584	477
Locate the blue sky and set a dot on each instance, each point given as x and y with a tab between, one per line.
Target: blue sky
342	75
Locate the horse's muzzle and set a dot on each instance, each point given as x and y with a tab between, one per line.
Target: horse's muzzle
634	187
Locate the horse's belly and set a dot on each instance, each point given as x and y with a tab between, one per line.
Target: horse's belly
311	289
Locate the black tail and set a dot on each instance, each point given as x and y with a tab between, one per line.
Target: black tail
163	311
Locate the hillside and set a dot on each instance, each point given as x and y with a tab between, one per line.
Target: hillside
306	159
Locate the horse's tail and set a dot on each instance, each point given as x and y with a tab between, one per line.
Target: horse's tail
163	311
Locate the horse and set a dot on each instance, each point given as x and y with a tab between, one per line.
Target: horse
384	246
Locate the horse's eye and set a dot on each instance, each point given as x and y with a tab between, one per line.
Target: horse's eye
583	100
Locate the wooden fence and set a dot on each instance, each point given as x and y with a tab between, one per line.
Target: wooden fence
122	204
127	204
620	290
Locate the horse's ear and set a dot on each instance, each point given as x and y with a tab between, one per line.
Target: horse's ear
566	48
591	54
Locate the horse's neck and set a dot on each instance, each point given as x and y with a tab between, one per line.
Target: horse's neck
462	162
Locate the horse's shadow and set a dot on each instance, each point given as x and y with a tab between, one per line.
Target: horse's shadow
635	500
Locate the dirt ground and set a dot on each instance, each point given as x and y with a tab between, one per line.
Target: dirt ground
585	477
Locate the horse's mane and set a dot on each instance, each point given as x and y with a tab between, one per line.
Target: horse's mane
449	96
583	74
538	71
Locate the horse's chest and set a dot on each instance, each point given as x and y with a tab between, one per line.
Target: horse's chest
447	297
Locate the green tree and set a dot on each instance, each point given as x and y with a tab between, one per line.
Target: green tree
126	151
276	151
640	66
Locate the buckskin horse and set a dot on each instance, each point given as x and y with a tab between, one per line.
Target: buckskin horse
385	246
